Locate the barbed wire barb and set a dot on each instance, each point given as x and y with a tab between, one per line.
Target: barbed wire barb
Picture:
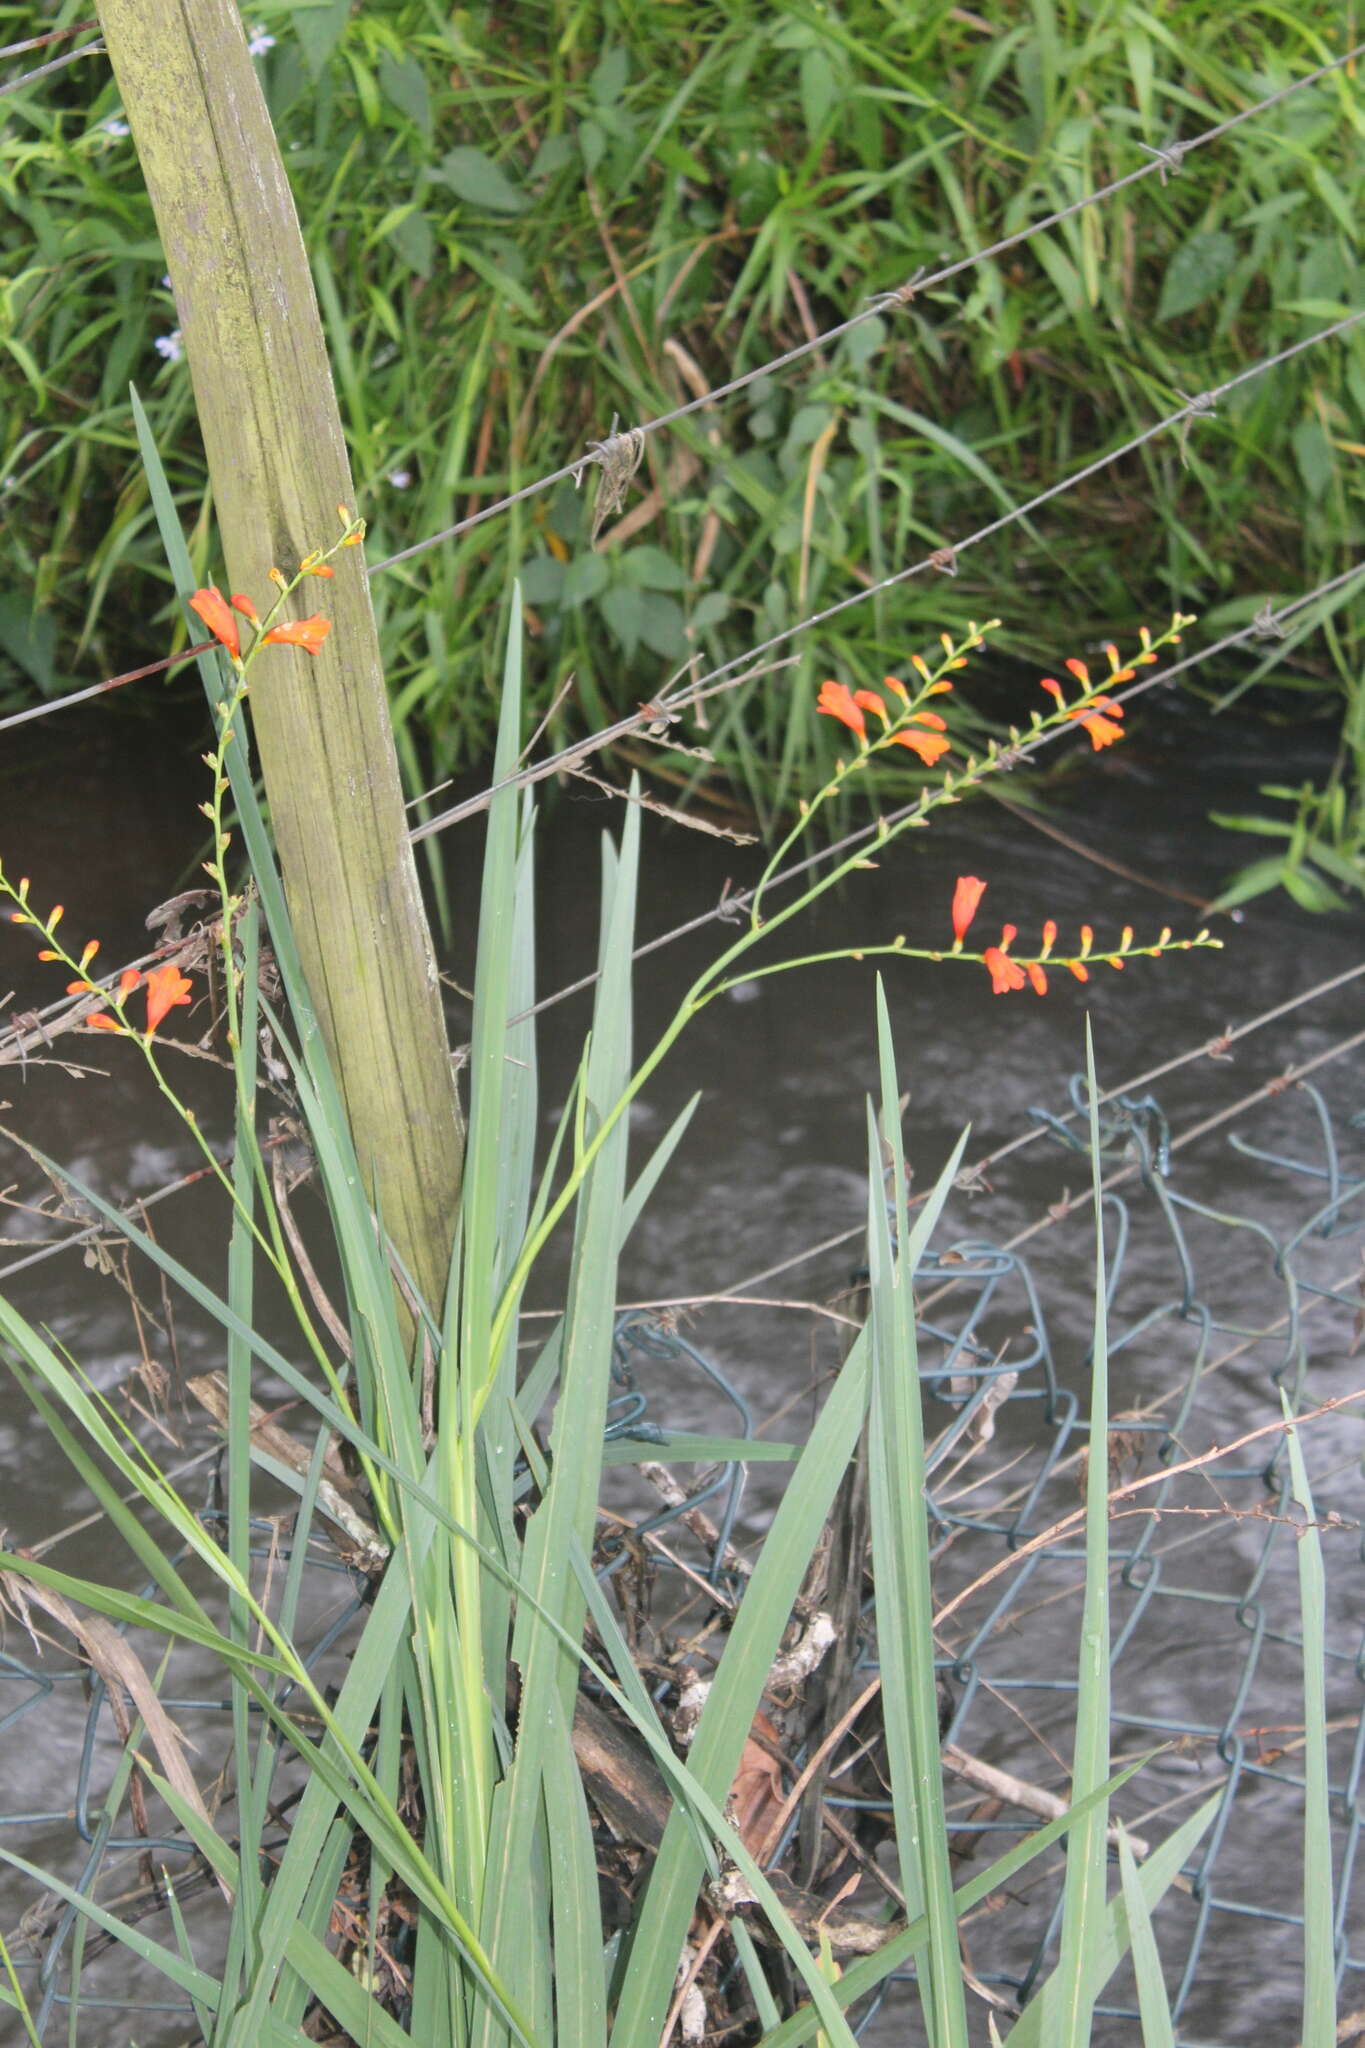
619	458
724	677
1163	159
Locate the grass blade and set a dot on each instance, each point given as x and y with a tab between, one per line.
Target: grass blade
1037	2028
1083	1903
1154	2008
1319	1971
900	1557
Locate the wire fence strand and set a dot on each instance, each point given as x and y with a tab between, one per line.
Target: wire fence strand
724	677
1164	160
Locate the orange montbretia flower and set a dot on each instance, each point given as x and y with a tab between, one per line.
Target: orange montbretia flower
966	899
930	746
836	700
167	987
213	608
1005	974
306	633
1103	731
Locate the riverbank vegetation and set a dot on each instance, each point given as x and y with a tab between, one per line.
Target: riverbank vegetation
524	227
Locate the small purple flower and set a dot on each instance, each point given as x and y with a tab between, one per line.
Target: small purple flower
258	42
170	346
400	478
115	126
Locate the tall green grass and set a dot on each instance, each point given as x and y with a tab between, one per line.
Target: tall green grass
523	223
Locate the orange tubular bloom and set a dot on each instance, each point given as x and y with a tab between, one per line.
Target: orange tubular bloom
966	900
127	982
1079	670
836	700
1103	731
870	701
213	609
1037	977
929	718
930	746
244	606
102	1021
1053	688
166	987
1005	973
892	684
306	633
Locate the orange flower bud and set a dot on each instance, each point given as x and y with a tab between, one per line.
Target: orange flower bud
1079	670
1081	973
100	1020
244	606
966	899
217	616
1049	936
1037	977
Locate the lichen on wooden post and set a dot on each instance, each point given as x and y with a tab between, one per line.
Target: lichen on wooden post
278	468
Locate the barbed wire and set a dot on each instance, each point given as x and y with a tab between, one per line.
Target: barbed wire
57	63
616	448
1267	623
1164	160
943	559
1204	1048
971	1178
132	675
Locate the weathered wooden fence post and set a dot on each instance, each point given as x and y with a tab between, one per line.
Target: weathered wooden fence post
278	467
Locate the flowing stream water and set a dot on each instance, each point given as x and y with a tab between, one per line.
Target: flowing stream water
101	810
